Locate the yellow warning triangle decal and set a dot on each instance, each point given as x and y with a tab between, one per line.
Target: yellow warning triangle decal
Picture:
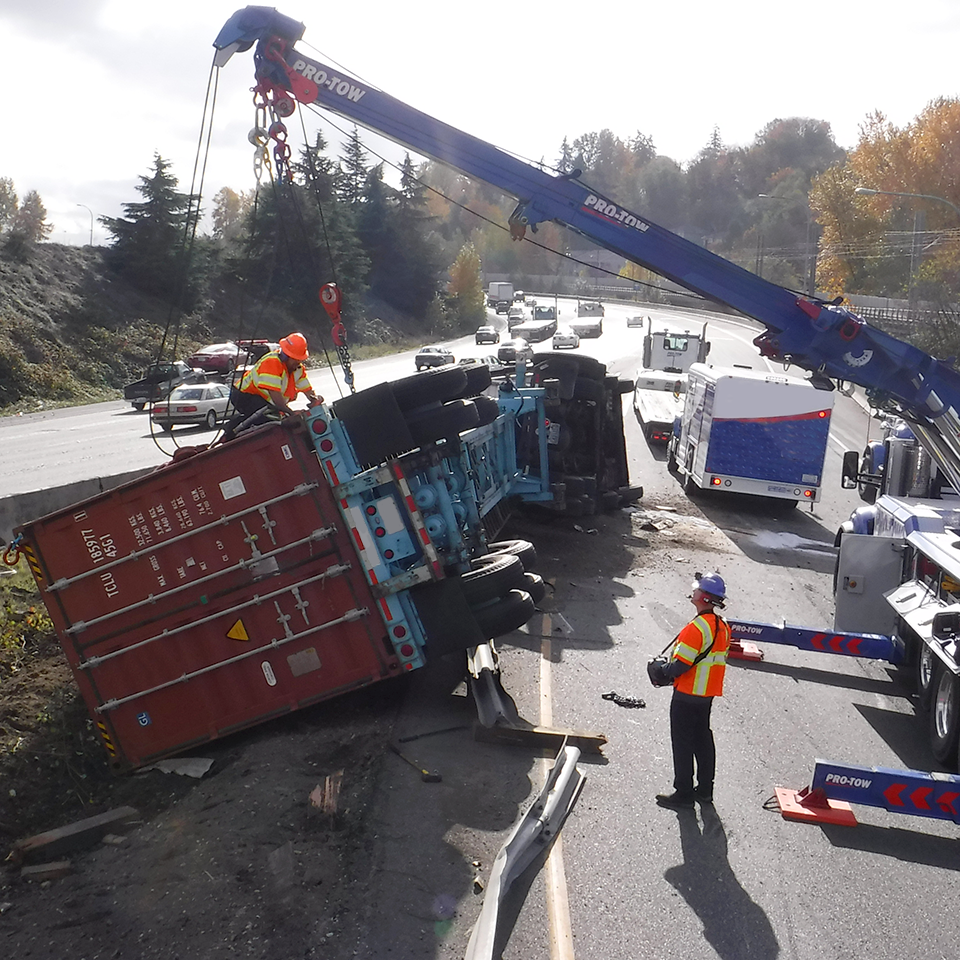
238	631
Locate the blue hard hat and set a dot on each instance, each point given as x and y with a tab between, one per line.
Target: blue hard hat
712	584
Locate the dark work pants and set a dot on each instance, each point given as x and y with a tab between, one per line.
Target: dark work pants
692	738
244	405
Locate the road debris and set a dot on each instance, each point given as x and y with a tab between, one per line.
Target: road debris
425	775
632	703
432	733
326	796
74	836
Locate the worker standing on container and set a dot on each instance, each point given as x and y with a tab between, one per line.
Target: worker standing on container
271	383
696	668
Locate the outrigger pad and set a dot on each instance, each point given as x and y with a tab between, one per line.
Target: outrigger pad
813	807
744	650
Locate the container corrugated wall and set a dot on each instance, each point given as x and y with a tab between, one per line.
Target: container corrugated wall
210	595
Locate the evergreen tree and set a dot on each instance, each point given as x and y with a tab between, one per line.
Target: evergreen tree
353	170
149	243
316	171
29	223
9	202
229	212
394	229
413	191
295	244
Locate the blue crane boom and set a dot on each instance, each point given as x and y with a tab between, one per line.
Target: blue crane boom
822	337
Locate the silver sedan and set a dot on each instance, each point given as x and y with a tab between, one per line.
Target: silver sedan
202	404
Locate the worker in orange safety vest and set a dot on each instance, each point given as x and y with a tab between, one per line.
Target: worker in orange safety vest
696	668
271	383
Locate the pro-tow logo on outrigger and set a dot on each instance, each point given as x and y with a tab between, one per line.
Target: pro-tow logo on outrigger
610	211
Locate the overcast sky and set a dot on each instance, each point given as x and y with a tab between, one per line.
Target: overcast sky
96	87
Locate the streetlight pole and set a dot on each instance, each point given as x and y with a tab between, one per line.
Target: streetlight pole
810	261
918	225
870	192
85	207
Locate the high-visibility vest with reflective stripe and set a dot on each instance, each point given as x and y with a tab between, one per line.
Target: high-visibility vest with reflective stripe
705	679
269	373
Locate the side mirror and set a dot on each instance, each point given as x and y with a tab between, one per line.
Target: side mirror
850	470
946	624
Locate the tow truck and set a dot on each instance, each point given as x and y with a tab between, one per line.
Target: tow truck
356	560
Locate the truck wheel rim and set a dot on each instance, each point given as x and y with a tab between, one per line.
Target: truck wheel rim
946	707
926	668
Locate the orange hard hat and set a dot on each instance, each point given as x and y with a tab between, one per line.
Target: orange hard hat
295	346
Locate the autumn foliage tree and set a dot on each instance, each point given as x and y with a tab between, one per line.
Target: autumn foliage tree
896	245
466	287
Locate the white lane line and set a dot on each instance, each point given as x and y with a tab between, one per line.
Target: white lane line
558	904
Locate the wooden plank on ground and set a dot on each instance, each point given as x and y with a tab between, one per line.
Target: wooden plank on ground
75	836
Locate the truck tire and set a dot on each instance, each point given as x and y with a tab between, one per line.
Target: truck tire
926	672
523	549
488	409
945	715
585	388
436	384
589	367
492	577
534	585
444	422
478	379
138	405
506	614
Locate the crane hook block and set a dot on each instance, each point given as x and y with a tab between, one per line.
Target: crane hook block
330	298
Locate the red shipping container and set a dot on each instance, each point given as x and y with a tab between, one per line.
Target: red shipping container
216	592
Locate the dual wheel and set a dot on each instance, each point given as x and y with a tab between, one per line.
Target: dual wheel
442	402
501	588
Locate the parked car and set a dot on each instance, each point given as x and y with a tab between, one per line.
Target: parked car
203	404
565	339
223	358
487	334
219	358
637	321
513	350
160	379
433	357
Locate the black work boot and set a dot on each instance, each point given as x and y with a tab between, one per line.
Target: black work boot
675	800
704	794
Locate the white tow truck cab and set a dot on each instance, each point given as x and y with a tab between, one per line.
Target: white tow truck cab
672	349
